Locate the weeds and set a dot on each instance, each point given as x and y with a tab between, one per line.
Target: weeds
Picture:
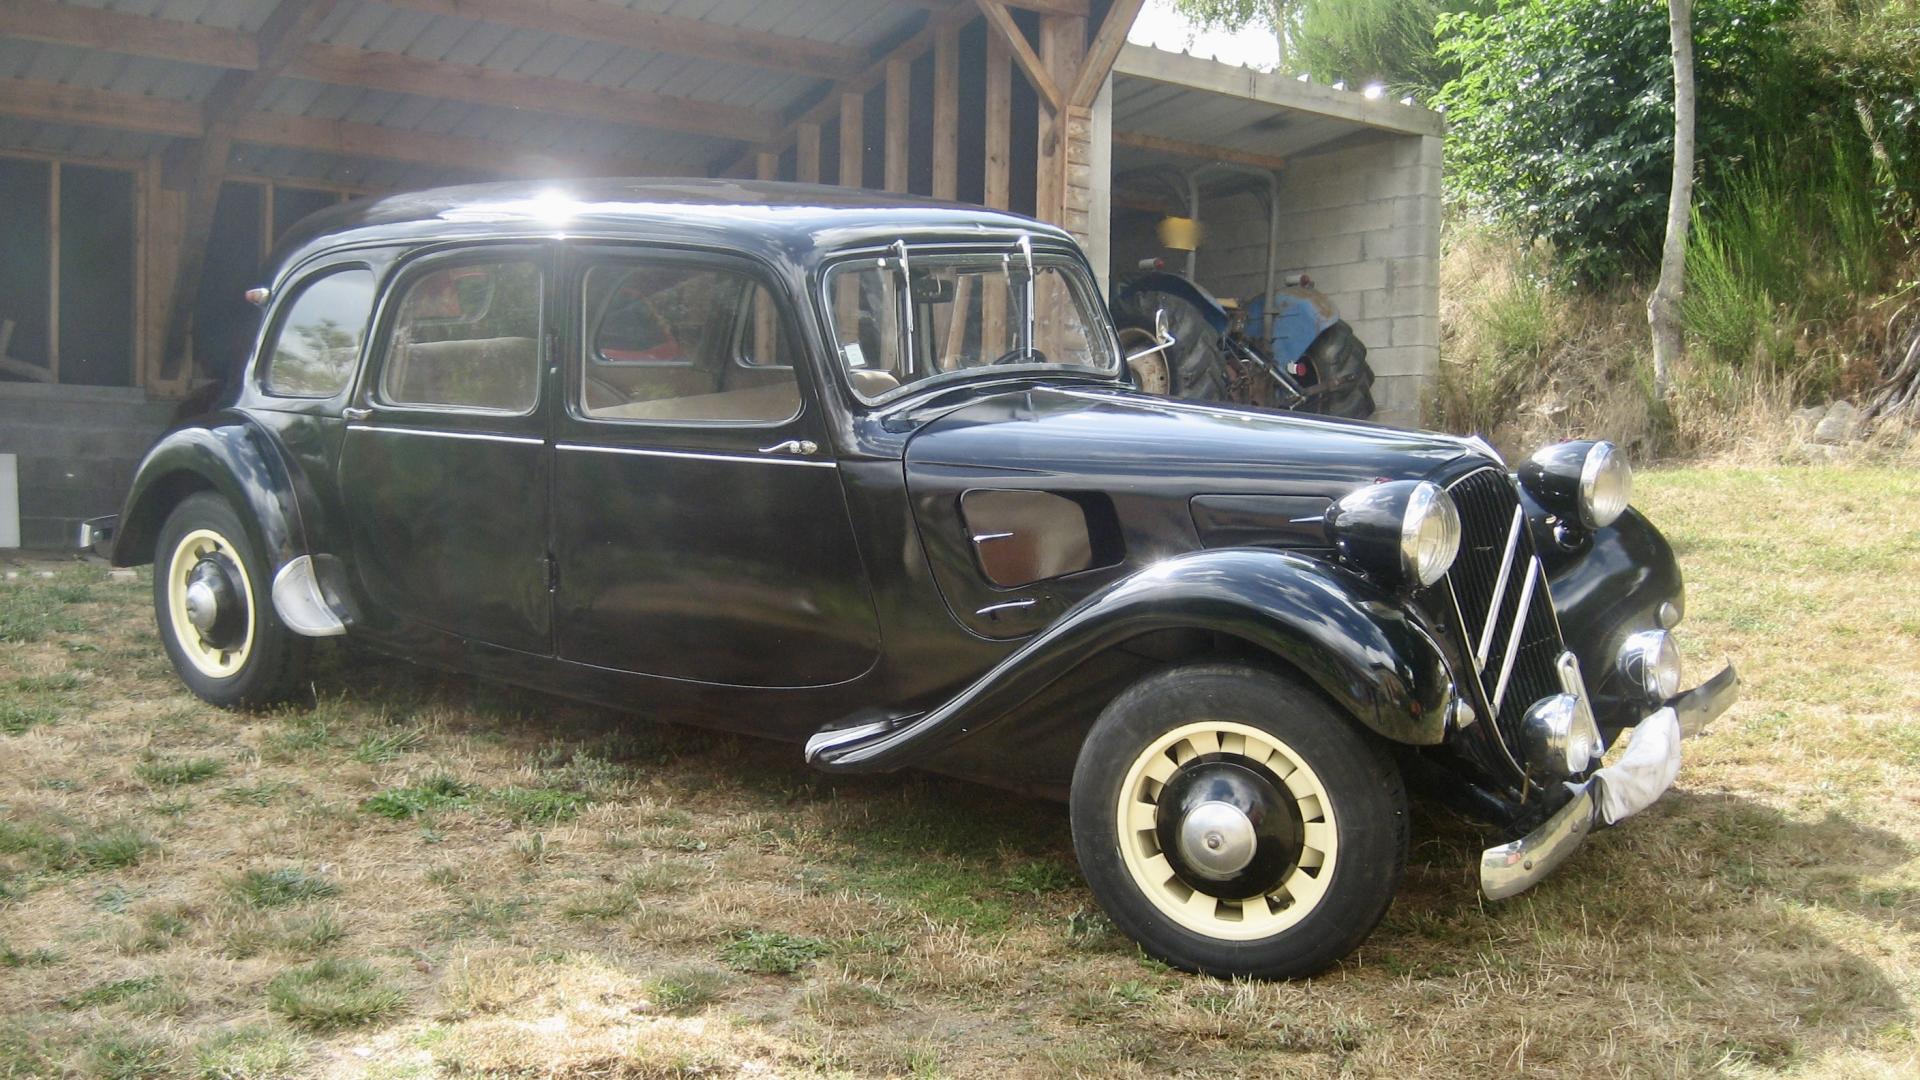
331	993
771	953
439	792
687	988
177	771
278	888
247	1053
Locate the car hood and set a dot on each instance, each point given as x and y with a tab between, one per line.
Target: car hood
1133	439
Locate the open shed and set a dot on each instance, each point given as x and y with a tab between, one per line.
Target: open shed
151	151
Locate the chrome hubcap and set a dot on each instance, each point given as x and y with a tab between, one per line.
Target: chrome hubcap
1218	838
203	607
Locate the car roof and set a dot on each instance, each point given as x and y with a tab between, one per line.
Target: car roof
794	221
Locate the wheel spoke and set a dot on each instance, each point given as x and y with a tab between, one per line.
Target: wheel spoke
1203	905
1303	785
1159	869
1318	835
1311	808
1204	742
1159	769
1141	816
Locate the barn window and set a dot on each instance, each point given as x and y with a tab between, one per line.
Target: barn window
67	283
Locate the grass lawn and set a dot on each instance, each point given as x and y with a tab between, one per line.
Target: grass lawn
425	875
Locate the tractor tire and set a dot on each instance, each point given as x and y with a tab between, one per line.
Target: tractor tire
1196	367
1338	361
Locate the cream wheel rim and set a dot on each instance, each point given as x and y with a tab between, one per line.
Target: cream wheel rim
1297	892
1150	371
210	659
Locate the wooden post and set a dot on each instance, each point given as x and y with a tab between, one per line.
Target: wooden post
1063	38
806	153
899	89
999	106
279	42
853	140
946	113
766	165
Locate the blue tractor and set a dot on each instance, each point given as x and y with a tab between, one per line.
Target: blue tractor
1183	342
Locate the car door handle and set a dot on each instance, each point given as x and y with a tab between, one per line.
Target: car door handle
802	447
354	412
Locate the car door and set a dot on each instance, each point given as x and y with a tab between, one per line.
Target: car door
445	465
700	527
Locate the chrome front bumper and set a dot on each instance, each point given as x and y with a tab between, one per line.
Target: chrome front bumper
1611	794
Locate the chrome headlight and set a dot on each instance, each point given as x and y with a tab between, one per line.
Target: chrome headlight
1406	531
1590	482
1650	662
1558	738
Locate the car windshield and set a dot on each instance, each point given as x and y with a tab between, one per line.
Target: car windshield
907	316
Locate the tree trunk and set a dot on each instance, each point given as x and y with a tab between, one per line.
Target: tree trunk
1663	307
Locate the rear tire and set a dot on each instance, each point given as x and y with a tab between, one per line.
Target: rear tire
1339	362
1196	367
213	605
1234	824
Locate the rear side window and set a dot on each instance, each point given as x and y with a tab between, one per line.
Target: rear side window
676	342
318	343
468	337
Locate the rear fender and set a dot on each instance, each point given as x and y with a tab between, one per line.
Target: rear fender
1352	640
229	455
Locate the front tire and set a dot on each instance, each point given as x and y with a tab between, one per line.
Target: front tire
1234	824
212	603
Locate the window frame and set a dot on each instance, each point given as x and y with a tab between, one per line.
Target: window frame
283	310
1082	281
595	254
421	264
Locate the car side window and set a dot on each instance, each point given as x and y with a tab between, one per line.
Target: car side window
467	337
679	342
318	342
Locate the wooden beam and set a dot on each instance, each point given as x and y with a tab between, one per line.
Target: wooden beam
647	32
278	42
853	140
428	148
766	165
946	113
1042	7
1000	20
52	104
179	119
806	153
999	106
403	74
131	35
899	104
1105	49
1062	37
1197	151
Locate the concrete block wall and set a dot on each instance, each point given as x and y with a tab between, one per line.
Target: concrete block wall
1364	223
77	448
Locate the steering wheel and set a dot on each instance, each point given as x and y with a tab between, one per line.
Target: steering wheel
1019	355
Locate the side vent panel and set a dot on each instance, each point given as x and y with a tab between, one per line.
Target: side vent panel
1020	537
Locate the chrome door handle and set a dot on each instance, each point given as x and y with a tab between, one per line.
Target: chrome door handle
354	412
802	447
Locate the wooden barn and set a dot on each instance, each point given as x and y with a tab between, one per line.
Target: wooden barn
151	151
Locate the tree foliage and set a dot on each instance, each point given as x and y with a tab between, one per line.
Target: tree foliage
1353	41
1561	119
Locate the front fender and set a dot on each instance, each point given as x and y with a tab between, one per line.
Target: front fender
228	454
1611	585
1354	641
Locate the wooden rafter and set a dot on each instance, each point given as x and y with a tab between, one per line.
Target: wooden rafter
1103	51
1198	151
648	32
286	29
132	35
157	116
474	84
1001	20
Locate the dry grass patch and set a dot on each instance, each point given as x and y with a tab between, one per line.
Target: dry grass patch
438	878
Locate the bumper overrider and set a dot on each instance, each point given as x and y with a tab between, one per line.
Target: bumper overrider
1611	794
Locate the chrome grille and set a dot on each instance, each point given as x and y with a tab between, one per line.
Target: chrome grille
1505	610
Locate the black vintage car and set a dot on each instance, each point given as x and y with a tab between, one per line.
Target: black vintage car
863	474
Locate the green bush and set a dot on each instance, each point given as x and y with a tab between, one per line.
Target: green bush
1561	120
